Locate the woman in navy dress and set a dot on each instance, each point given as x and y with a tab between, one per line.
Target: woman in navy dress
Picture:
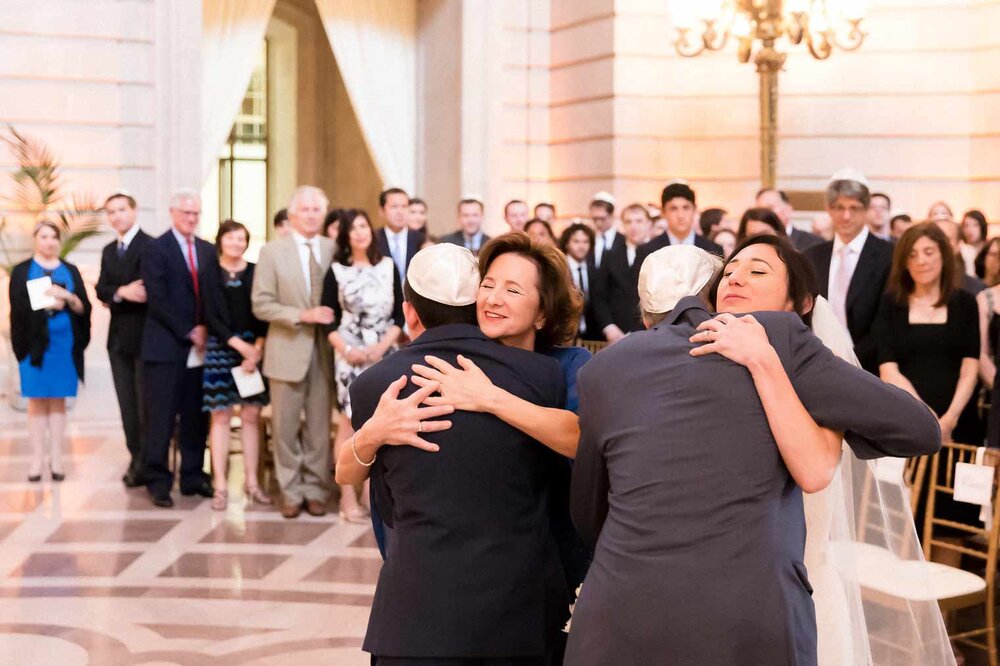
236	338
48	344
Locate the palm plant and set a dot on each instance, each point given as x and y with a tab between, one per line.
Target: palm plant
40	192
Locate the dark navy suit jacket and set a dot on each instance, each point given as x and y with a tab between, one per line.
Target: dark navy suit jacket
472	568
171	306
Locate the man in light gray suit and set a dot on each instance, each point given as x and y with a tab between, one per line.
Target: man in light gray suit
697	525
298	361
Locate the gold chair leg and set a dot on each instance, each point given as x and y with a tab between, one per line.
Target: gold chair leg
991	636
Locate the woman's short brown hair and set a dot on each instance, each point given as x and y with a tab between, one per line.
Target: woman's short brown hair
901	282
226	227
559	300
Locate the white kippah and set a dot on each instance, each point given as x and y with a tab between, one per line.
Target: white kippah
472	196
850	174
606	197
445	273
673	272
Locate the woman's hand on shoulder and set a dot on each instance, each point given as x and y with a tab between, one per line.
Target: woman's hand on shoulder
740	339
465	387
400	421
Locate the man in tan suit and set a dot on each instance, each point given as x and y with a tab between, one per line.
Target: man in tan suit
298	361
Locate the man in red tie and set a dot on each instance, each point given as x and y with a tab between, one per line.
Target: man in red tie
178	270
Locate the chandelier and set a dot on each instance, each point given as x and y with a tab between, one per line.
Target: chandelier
756	26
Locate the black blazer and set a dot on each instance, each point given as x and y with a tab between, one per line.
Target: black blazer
127	318
617	294
29	329
414	241
803	240
458	238
471	569
225	320
170	294
619	241
663	240
594	330
864	294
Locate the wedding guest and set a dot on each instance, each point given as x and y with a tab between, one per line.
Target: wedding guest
759	221
287	286
236	339
973	238
617	308
679	208
121	289
178	271
777	200
576	242
939	210
418	215
659	224
334	220
544	211
879	214
470	225
602	215
363	289
395	239
726	239
710	221
952	232
515	214
48	344
928	332
899	224
988	262
281	222
540	231
852	269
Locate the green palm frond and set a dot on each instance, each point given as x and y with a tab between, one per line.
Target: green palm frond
40	192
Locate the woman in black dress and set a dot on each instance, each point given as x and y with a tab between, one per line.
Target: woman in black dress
236	338
928	332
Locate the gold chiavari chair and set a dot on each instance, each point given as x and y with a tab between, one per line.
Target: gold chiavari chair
955	588
593	346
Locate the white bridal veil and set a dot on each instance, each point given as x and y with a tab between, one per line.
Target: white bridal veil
872	537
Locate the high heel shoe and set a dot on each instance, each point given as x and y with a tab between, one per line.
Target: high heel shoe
220	499
257	496
57	476
34	478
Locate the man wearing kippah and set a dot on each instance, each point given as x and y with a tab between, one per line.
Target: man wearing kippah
471	571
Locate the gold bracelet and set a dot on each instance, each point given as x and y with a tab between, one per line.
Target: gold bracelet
356	457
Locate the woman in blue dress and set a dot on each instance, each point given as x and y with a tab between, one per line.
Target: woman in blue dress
48	344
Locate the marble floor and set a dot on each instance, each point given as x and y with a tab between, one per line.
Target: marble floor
92	573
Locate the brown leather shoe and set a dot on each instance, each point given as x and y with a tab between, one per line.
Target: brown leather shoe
290	510
314	508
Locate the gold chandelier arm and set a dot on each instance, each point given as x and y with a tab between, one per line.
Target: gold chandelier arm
684	46
819	51
855	37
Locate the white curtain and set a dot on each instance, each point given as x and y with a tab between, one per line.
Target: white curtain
375	44
232	36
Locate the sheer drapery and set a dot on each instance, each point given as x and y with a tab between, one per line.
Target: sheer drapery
232	35
375	44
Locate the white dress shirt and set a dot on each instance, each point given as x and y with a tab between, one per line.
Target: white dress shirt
304	245
578	271
605	239
674	240
127	238
851	256
630	253
397	247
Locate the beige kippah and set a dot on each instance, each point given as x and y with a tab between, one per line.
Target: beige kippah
673	272
606	197
848	173
446	273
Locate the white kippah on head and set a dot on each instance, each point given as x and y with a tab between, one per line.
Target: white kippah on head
673	272
472	196
606	197
850	174
445	273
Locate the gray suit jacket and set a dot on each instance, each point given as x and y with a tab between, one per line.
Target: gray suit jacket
279	295
698	526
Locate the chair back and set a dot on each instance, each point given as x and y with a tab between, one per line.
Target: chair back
593	346
980	542
914	476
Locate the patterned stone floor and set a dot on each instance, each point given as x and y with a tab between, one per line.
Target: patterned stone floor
92	573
